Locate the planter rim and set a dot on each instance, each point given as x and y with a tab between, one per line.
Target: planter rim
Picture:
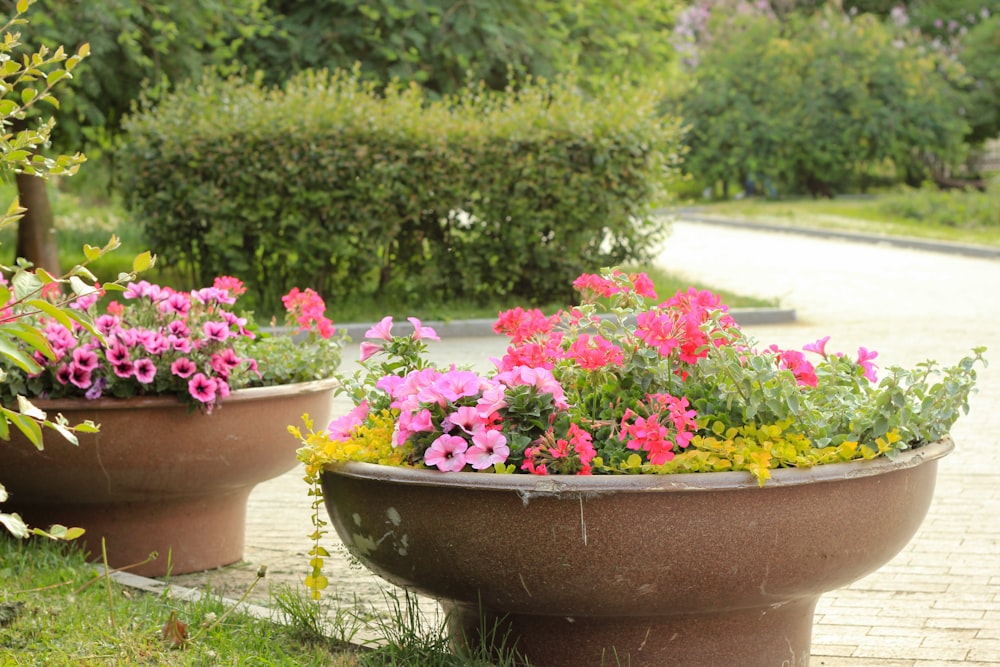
159	401
698	481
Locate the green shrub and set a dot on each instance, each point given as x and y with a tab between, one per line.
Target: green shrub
816	103
332	185
961	209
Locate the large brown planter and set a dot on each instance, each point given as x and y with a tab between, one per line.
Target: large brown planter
692	569
159	477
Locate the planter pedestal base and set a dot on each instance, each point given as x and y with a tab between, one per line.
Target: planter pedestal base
756	637
159	477
187	534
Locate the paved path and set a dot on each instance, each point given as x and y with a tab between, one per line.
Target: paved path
938	602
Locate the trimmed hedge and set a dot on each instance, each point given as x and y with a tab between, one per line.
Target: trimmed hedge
332	184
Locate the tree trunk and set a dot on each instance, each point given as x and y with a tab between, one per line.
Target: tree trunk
36	231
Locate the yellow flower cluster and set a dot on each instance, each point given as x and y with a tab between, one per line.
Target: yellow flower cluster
758	449
369	442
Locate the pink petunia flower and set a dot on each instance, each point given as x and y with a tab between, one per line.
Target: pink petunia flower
183	367
865	357
203	388
421	332
145	370
340	428
447	453
381	330
368	350
218	331
488	448
819	347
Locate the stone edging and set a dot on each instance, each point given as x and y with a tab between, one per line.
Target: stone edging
477	328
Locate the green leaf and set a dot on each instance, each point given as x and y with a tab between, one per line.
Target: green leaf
18	357
31	336
28	409
29	427
13	522
60	315
27	95
142	262
55	76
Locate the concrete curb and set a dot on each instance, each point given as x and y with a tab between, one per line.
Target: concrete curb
477	328
928	245
361	638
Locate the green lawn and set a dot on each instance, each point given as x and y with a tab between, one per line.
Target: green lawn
956	217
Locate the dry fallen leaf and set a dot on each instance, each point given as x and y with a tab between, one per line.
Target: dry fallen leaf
175	631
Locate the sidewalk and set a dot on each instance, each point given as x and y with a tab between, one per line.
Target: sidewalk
938	602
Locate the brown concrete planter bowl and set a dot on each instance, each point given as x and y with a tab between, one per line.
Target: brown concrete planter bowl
691	569
159	477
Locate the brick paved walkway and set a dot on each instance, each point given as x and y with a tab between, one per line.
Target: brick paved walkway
938	602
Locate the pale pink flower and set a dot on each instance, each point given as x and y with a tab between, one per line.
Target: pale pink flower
447	453
819	347
340	428
488	448
421	332
369	349
381	330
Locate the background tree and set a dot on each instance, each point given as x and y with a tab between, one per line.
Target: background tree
813	102
135	45
446	44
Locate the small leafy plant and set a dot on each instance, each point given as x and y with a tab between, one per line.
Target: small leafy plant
160	341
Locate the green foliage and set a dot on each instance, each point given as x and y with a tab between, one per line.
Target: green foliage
812	103
137	44
981	100
27	78
445	45
333	185
964	210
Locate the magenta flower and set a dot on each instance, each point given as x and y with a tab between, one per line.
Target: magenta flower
218	331
64	374
85	358
176	303
145	370
225	362
447	453
202	388
123	369
183	367
79	376
865	357
178	328
106	324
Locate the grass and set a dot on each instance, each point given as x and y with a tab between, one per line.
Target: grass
55	610
873	215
